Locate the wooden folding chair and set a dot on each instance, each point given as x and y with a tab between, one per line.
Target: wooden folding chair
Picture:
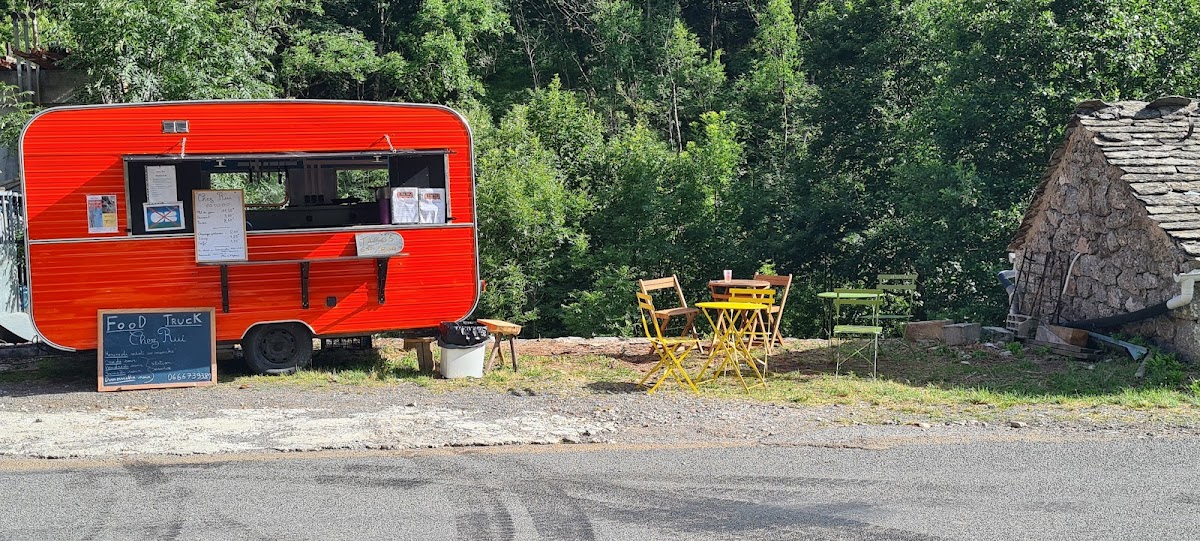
671	351
664	315
775	312
759	325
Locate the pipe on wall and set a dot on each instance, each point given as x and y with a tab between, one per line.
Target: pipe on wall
1186	281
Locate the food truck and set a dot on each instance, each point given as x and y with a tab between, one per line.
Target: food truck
291	219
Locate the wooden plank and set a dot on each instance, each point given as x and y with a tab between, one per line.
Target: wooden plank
1068	350
499	326
1067	347
1075	337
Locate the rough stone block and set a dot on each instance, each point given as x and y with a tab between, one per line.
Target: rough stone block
925	330
961	334
1027	328
996	335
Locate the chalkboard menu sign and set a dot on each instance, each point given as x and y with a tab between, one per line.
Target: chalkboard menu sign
220	222
156	348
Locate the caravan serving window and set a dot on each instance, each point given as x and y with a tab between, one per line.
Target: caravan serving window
293	191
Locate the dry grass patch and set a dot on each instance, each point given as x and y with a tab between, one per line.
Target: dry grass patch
933	381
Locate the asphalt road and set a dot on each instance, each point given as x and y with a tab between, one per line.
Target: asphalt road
1114	489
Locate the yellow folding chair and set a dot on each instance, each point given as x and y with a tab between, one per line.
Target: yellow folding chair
758	325
672	351
871	299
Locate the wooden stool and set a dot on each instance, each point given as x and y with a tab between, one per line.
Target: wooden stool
503	331
424	352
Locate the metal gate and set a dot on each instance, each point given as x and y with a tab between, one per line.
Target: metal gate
14	290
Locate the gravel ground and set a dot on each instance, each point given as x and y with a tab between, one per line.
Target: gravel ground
41	420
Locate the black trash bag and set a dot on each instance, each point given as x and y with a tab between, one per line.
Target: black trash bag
462	333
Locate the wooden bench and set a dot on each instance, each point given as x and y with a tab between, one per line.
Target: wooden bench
504	331
424	349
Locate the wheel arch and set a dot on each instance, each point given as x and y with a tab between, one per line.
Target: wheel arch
276	322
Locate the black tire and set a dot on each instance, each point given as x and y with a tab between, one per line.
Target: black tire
277	348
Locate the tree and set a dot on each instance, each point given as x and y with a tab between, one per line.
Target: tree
332	64
529	222
149	50
688	84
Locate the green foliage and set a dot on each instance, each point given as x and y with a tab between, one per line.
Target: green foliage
570	129
1164	370
443	44
332	64
607	308
533	233
149	50
19	111
833	140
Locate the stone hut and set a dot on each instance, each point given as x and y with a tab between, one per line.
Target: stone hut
1115	218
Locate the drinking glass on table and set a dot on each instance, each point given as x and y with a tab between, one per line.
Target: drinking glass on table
728	275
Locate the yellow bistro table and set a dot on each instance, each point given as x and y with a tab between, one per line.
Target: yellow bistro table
729	347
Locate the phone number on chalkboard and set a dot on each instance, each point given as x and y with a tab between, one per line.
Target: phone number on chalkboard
190	376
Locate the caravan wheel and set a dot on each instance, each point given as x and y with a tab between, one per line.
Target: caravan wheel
277	348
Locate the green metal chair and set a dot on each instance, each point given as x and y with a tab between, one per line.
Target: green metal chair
846	301
900	295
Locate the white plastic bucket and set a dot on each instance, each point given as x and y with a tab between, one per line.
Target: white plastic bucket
462	361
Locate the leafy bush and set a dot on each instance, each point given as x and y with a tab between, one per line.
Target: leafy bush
1164	370
609	308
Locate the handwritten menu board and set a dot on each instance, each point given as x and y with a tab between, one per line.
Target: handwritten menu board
150	349
382	243
220	219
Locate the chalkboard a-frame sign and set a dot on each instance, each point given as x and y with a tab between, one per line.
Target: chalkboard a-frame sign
156	348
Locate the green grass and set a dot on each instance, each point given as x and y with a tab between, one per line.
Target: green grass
65	369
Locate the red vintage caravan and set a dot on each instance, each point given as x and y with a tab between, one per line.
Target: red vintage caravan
113	194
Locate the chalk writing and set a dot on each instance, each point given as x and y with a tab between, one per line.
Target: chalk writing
155	348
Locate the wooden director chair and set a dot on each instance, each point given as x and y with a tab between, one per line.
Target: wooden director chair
757	323
664	315
775	311
672	351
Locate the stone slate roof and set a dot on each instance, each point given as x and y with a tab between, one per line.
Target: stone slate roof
1157	147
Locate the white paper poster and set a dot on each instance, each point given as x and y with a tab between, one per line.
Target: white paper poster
404	206
102	213
220	221
160	184
433	205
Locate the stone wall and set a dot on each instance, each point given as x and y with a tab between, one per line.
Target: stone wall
1090	232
